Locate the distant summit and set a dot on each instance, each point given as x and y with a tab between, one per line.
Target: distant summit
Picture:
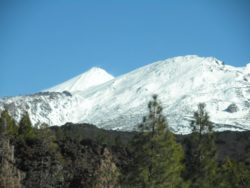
84	81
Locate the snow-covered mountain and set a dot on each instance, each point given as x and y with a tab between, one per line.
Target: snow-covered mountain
120	103
93	77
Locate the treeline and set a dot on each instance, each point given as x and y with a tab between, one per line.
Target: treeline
64	157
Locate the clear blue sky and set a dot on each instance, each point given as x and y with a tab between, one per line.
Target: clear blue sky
43	43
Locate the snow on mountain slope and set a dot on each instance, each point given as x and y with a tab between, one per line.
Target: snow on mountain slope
44	107
93	77
120	103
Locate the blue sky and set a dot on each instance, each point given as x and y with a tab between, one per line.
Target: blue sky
43	43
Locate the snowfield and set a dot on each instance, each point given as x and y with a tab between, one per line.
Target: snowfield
98	98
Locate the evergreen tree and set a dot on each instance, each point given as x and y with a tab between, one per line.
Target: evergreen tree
47	137
234	174
8	125
157	157
201	152
25	130
46	150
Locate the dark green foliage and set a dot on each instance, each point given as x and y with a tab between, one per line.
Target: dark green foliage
25	130
234	174
38	155
47	138
40	158
118	141
8	125
201	152
76	163
41	165
157	158
87	131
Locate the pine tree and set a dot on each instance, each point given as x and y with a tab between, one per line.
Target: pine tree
47	138
157	157
8	125
25	130
234	174
201	152
47	151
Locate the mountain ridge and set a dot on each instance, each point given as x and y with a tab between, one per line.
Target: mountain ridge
120	103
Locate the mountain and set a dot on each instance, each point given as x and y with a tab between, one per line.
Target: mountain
120	103
92	77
